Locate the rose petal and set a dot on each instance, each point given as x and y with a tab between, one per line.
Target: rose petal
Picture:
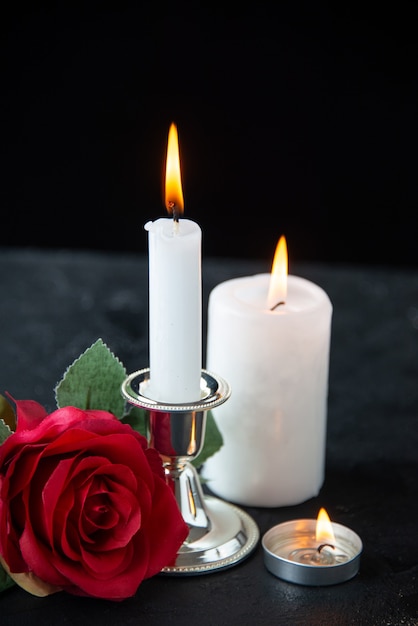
167	530
29	413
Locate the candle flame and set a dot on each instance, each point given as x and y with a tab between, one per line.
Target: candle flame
278	280
324	532
173	191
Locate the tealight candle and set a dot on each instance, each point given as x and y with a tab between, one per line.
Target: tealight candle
272	344
309	552
175	295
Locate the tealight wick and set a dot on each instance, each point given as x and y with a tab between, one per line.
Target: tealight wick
278	304
323	545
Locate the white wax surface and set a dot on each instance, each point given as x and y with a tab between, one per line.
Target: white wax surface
175	310
274	424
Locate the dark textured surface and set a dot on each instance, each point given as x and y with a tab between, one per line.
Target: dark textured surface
54	305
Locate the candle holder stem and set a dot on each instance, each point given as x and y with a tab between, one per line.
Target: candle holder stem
191	501
220	534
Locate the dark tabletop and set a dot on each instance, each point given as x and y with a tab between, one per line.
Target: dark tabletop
55	304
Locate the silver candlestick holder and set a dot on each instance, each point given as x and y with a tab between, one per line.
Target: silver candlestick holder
220	534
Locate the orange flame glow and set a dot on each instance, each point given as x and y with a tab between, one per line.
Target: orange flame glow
173	191
324	532
278	280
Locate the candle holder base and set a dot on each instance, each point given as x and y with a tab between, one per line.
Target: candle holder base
232	536
220	534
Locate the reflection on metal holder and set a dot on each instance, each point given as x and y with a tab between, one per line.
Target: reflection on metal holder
220	534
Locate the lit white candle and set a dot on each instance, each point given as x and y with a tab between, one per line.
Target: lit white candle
175	295
276	360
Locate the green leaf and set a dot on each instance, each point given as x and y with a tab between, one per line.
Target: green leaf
213	441
93	381
7	413
5	581
137	419
4	431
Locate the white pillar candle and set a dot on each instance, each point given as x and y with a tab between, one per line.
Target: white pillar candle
175	310
175	294
276	361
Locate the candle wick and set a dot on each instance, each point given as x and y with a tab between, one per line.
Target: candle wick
176	215
278	304
174	211
323	545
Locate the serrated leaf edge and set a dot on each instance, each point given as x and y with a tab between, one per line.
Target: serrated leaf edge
98	341
7	427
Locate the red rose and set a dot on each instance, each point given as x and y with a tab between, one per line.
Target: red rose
84	506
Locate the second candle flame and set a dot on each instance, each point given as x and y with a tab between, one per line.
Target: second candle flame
278	281
173	190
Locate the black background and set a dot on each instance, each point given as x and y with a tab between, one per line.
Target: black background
293	118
